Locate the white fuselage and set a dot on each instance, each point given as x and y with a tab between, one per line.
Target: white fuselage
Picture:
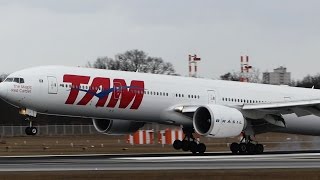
143	97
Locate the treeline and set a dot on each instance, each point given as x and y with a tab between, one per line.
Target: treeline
134	60
307	82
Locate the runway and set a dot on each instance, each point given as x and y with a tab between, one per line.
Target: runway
127	162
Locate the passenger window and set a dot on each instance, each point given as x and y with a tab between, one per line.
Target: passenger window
21	80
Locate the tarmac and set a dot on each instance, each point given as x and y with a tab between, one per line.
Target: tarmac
163	161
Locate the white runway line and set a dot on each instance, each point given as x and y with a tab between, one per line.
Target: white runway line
226	157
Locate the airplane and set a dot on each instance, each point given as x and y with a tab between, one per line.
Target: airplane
120	102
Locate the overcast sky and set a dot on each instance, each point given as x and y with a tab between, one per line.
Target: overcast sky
72	32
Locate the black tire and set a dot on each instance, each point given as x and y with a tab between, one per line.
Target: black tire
193	147
251	148
242	148
177	144
259	149
28	131
201	148
185	145
234	148
34	131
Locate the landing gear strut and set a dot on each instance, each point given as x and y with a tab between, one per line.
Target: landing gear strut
189	143
31	130
246	146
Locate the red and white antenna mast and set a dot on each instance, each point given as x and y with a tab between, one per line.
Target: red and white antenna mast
193	59
245	69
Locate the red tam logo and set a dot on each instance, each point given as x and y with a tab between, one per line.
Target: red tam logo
100	88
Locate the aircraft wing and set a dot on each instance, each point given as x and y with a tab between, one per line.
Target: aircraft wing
300	108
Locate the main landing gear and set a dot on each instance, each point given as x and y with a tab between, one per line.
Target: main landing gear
189	143
31	130
246	146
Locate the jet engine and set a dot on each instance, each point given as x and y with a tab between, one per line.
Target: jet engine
116	127
218	121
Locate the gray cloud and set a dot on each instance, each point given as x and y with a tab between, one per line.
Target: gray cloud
72	32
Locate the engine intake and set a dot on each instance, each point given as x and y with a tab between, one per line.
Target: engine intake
218	121
116	127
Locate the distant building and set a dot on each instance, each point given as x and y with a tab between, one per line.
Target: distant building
279	76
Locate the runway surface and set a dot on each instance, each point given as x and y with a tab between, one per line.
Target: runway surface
179	161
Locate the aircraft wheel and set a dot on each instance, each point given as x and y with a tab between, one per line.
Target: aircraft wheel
185	145
259	149
251	148
31	131
177	144
28	130
242	148
34	131
201	148
193	147
234	147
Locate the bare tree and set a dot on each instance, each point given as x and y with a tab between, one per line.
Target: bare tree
230	76
310	81
103	63
134	60
3	77
253	76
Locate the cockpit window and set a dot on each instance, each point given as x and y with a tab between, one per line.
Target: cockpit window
17	80
9	80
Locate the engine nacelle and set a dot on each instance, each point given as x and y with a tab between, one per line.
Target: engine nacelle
116	127
218	121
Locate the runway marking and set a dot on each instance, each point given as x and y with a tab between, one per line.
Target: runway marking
246	157
171	162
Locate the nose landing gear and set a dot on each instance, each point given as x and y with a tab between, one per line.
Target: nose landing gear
189	143
30	130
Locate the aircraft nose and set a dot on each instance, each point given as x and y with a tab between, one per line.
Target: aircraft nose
3	91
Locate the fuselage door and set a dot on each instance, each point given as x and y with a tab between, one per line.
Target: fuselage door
52	85
211	97
117	90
